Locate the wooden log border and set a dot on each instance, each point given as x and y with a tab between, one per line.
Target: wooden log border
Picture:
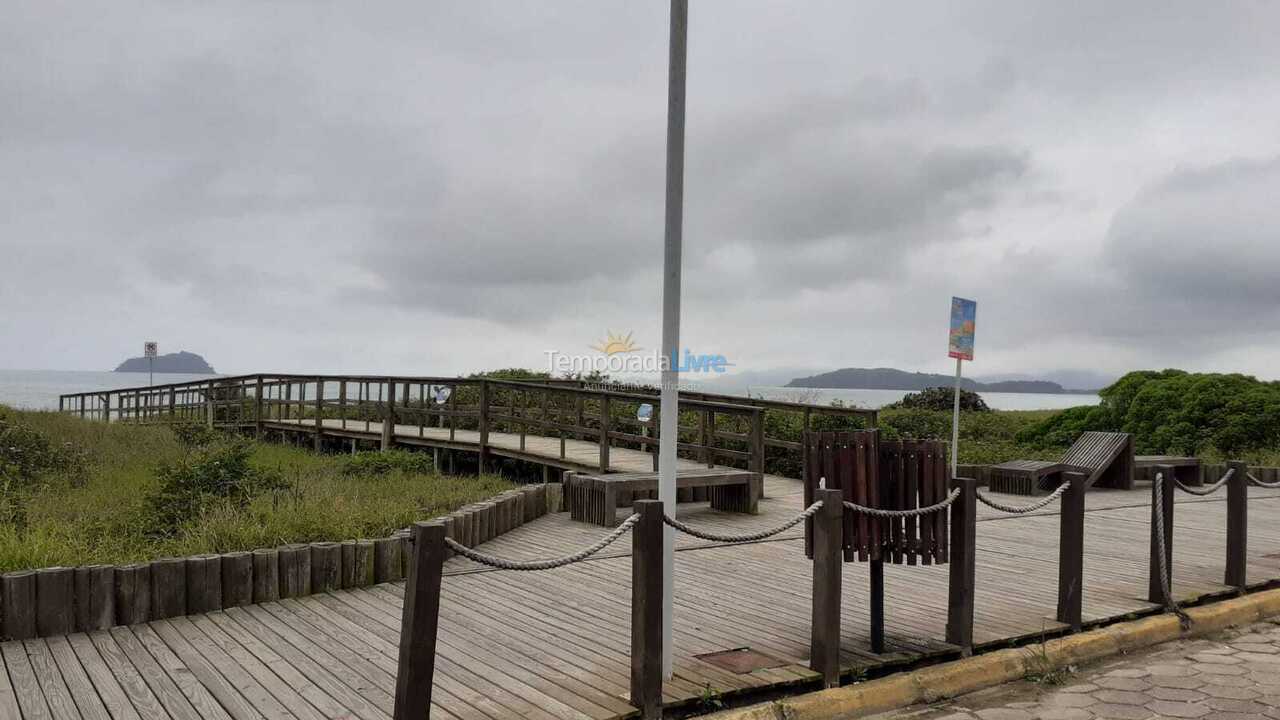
56	601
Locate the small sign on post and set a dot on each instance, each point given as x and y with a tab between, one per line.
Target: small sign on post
960	346
149	349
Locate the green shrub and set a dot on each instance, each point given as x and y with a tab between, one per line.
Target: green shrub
194	435
377	464
26	454
217	474
940	398
1172	411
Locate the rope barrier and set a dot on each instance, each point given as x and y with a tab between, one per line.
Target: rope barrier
1259	483
750	537
1024	509
549	564
1166	586
879	512
1207	490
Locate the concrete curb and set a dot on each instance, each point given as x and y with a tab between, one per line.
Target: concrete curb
947	680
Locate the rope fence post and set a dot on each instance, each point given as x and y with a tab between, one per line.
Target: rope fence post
419	623
1162	488
1237	525
828	554
646	609
964	526
1071	553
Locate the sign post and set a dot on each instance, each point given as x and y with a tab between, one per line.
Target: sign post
960	346
668	431
149	349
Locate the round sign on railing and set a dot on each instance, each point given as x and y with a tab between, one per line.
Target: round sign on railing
644	413
442	394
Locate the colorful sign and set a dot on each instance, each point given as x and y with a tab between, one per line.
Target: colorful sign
963	314
149	349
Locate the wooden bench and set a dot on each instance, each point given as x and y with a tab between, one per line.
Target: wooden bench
594	498
1185	469
1025	477
1105	457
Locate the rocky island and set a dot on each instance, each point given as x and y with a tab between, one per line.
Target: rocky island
179	362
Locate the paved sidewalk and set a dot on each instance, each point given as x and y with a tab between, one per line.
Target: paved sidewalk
1230	676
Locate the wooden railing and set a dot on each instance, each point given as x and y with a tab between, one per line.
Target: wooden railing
713	429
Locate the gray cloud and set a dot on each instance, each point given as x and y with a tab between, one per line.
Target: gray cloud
439	186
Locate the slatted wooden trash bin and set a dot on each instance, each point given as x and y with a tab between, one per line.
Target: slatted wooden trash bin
887	475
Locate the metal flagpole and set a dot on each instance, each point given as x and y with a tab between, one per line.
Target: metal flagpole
955	422
670	412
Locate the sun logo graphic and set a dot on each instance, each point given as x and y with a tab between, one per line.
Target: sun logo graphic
616	344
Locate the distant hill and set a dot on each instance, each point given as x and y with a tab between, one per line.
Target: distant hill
179	362
892	379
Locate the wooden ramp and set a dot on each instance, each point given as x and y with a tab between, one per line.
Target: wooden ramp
555	644
571	454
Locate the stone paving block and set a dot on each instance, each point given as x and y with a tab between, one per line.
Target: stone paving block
1174	709
1121	712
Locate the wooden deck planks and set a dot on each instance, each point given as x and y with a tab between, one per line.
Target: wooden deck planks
554	645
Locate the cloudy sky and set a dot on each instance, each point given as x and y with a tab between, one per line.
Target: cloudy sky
439	187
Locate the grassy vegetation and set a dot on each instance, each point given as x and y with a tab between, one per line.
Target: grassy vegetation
90	495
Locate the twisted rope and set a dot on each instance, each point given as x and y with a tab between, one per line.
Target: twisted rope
750	537
879	512
1166	586
549	564
1206	490
1259	483
1024	509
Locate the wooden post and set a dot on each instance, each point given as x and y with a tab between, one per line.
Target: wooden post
204	583
62	403
295	570
1071	553
348	561
386	559
168	588
266	575
362	573
257	409
484	423
95	595
964	525
877	606
757	440
106	407
419	623
18	593
133	593
824	635
326	566
388	422
604	432
646	609
209	404
1163	479
237	579
1237	525
319	439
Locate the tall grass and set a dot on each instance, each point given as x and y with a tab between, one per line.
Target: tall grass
100	514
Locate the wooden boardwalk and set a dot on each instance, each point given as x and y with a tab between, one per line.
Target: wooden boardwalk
578	454
554	644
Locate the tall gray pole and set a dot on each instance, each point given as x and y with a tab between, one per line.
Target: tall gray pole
671	309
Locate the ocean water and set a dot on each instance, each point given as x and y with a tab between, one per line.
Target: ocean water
39	389
880	398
